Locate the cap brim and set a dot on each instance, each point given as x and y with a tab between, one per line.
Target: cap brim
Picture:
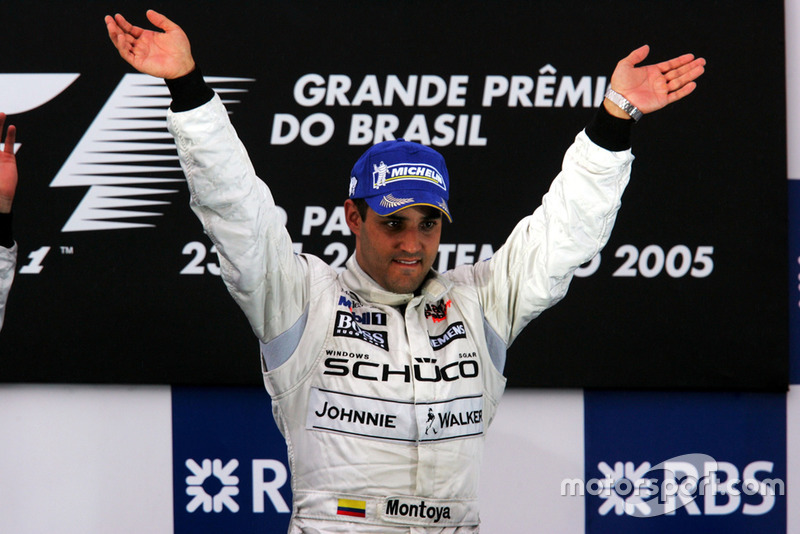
385	205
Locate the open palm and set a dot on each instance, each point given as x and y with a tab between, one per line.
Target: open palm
164	54
652	87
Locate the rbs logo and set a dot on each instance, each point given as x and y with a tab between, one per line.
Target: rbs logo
682	482
214	486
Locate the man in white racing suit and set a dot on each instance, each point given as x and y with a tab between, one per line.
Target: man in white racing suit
8	186
385	378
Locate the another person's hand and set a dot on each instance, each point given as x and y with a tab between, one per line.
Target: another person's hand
165	54
652	87
8	167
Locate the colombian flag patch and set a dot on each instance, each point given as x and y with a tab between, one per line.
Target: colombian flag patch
352	508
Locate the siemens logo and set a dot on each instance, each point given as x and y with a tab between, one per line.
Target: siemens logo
455	331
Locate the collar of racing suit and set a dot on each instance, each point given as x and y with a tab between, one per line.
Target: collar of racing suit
433	288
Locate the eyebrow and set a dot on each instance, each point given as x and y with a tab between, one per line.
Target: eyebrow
433	215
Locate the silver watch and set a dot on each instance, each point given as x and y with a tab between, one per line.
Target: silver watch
624	104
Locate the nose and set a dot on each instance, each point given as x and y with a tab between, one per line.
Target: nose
411	241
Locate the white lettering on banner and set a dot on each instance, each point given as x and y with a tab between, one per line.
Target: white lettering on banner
464	255
423	91
35	265
677	262
37	257
198	252
548	90
426	90
684	481
316	216
394	420
269	488
449	129
293	127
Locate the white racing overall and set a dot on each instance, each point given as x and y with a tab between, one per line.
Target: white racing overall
384	399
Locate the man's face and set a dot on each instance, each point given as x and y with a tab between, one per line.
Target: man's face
396	251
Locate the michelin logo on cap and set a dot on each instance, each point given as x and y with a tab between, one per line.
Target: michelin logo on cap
384	174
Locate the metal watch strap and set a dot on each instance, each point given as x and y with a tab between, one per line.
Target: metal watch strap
624	104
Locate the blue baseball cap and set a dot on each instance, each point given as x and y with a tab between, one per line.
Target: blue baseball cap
397	174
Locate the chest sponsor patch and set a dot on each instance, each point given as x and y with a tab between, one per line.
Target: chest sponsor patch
456	418
454	331
428	512
391	420
437	312
348	326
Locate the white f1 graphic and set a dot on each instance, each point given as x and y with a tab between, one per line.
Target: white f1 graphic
23	92
124	153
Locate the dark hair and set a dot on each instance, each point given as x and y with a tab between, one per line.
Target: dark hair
361	206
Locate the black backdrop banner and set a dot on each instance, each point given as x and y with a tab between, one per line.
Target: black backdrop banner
117	283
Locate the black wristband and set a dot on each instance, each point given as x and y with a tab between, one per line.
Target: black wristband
189	91
609	132
6	230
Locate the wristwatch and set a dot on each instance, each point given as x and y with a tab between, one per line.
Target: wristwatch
624	104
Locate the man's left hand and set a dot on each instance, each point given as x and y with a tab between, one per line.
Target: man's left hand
652	87
8	167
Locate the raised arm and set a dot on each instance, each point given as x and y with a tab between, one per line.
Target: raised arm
8	168
165	54
8	186
652	87
236	208
533	270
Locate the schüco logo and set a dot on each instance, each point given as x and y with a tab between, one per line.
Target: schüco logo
126	158
681	483
214	486
425	370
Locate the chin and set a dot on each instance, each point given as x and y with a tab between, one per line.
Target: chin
409	286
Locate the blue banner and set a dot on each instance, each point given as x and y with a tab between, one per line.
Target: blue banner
689	462
230	469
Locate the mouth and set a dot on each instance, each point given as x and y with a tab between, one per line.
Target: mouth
409	263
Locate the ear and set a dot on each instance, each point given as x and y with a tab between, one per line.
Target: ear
352	217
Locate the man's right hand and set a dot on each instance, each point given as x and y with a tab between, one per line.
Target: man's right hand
164	54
